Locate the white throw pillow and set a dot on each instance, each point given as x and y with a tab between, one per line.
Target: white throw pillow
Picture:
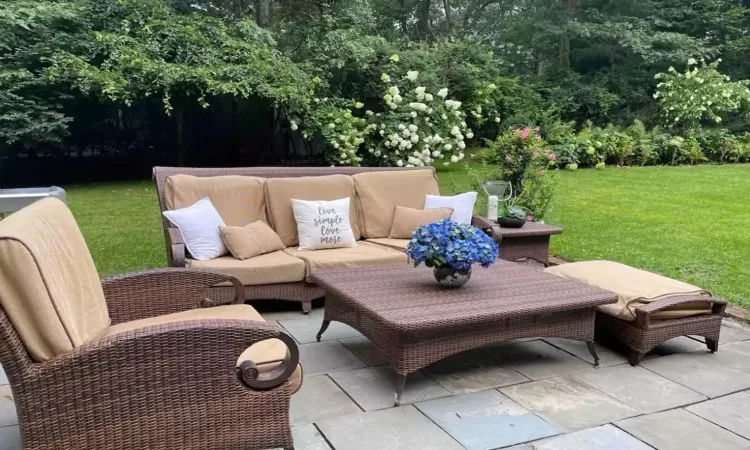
323	224
462	204
199	225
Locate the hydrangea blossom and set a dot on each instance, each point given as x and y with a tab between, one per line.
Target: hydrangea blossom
412	75
450	244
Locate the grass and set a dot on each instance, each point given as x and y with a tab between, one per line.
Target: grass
691	223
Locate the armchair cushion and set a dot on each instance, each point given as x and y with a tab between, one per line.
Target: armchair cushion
363	255
49	287
271	268
378	194
634	288
240	200
265	354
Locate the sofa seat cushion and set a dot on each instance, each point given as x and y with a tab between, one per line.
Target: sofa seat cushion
49	287
266	354
378	194
363	255
634	288
397	244
281	191
240	200
271	268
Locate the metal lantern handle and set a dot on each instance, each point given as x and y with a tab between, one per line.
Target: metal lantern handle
508	187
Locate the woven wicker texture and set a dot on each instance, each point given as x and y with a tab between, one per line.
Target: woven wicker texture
528	242
416	322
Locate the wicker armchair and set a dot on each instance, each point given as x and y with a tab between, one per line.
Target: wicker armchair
159	374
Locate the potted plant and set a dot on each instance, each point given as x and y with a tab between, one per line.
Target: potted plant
450	249
511	216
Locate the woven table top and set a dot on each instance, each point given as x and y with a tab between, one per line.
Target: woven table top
407	297
531	229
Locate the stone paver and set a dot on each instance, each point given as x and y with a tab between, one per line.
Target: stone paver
8	414
472	372
308	437
568	403
486	420
701	372
731	412
374	387
607	357
730	334
605	437
3	377
365	350
395	428
639	388
326	357
537	359
286	311
10	438
318	399
305	330
678	345
679	430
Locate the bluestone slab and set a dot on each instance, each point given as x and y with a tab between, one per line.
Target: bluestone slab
605	437
3	377
472	371
307	437
701	372
579	349
537	359
10	438
731	412
318	399
326	357
305	331
8	415
365	350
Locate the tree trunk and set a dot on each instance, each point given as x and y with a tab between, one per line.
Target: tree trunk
262	9
567	10
423	19
447	7
179	117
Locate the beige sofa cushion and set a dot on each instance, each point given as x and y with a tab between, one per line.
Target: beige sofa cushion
49	287
634	288
397	244
240	200
378	194
265	354
363	255
281	191
407	220
271	268
253	239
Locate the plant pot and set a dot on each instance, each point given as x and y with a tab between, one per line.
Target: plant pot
451	278
511	222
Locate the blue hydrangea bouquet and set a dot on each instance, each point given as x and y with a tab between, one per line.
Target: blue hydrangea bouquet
450	249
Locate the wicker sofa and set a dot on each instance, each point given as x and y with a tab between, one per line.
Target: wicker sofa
130	362
243	195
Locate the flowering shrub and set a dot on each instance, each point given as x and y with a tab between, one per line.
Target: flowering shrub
516	150
701	93
450	244
342	130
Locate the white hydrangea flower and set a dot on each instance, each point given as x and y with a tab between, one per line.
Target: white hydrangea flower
401	126
399	163
408	145
369	150
412	75
436	154
455	130
410	165
460	156
457	113
377	153
413	128
456	105
444	117
459	137
414	138
406	133
393	90
332	125
397	99
426	152
420	90
385	78
382	132
442	93
437	138
293	125
454	158
446	163
414	114
449	104
497	120
387	143
462	145
388	98
429	110
448	147
470	134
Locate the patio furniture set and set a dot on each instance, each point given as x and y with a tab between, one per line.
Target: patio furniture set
173	358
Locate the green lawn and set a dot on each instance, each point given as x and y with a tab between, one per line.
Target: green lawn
691	223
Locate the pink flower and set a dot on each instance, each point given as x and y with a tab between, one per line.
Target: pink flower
541	172
552	157
534	153
529	218
525	133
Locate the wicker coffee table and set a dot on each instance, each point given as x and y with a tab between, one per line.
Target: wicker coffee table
415	322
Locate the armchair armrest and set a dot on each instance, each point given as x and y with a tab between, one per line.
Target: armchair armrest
176	247
150	293
492	229
643	313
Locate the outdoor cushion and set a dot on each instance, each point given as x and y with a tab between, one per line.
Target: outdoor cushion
398	244
378	194
634	288
323	224
462	205
263	352
281	191
199	226
271	268
49	287
407	220
253	239
363	255
240	200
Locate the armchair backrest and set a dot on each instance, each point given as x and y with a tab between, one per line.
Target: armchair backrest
49	287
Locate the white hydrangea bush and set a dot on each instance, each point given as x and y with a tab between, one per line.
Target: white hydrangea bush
414	127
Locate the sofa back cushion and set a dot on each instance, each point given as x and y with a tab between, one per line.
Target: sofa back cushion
281	191
49	287
240	200
378	194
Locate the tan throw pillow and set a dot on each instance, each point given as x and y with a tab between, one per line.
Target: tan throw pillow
407	220
253	239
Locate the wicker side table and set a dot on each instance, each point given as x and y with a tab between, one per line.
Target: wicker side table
530	241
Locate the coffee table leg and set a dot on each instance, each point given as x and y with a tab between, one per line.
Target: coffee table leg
400	382
323	329
592	350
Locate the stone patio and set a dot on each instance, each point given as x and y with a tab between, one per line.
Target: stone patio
531	394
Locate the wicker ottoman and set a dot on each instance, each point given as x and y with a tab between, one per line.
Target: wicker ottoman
652	309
